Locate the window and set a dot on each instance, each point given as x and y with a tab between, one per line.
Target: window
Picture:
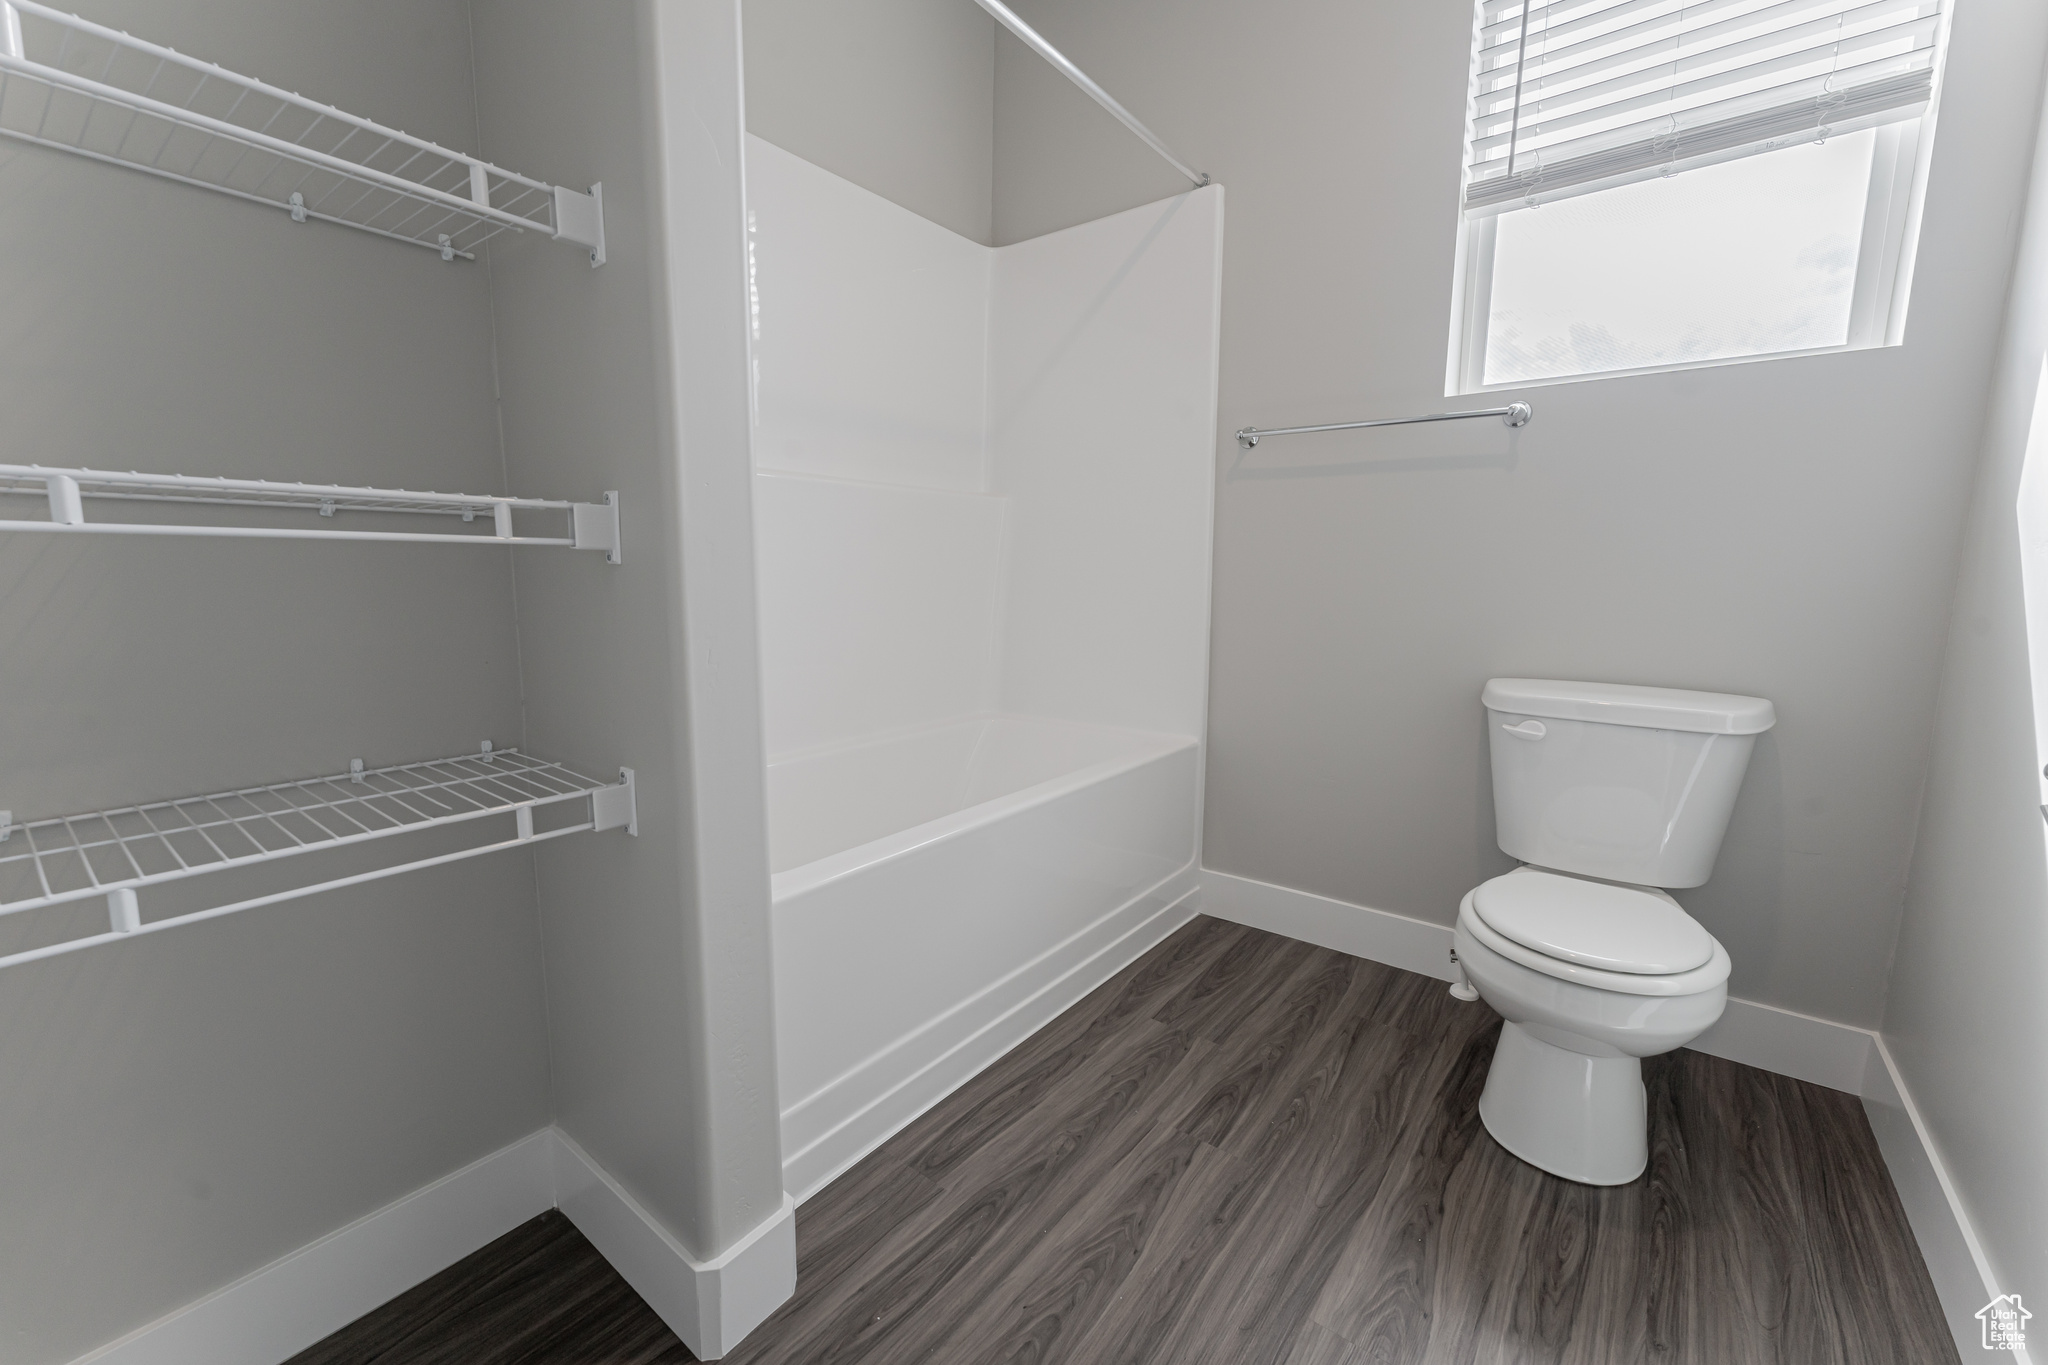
1660	183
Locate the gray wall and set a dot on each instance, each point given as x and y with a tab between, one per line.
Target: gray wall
634	378
178	1111
1786	528
897	96
1061	160
1967	1013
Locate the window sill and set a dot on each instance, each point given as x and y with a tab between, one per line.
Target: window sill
1550	381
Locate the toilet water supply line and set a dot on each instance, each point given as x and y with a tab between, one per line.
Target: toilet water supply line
1009	20
1461	985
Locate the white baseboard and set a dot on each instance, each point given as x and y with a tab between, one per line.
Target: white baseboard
273	1313
1791	1044
1798	1045
833	1129
1962	1273
709	1304
1413	945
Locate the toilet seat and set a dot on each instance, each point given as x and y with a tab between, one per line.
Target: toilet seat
1705	977
1599	924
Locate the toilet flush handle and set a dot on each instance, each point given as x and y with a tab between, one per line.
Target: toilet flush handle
1528	729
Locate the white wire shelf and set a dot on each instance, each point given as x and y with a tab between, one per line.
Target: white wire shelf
589	525
76	86
115	853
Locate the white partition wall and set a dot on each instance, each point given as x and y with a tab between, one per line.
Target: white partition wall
870	326
984	474
1102	357
982	506
657	958
882	601
880	545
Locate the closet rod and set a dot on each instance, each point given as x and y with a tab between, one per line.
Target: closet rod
1009	20
1513	415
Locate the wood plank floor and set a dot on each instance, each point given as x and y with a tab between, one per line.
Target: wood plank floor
1244	1150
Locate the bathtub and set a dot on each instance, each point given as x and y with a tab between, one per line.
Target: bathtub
941	894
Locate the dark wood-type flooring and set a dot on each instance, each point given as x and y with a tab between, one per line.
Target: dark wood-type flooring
1246	1149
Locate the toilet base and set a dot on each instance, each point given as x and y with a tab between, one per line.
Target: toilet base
1584	1118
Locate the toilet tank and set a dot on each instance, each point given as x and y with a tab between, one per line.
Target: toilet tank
1633	784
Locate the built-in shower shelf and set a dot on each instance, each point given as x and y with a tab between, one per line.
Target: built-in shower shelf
588	525
112	854
76	86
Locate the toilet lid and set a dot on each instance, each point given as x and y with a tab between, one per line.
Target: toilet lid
1596	924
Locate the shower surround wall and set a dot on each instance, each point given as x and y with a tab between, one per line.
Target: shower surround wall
983	493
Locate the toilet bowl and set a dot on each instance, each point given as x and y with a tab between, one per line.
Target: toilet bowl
1606	793
1565	1091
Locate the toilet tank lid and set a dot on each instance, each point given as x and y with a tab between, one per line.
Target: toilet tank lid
1654	708
1597	924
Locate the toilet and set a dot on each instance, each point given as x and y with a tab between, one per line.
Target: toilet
1608	794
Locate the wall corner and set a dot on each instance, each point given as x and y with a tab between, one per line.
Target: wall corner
712	1305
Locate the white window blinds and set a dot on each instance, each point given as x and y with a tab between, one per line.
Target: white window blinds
1576	95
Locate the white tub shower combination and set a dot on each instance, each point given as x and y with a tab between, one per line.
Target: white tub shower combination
983	496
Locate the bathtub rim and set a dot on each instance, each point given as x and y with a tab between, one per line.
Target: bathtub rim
1151	746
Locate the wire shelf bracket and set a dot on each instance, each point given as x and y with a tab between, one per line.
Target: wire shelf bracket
589	526
115	853
76	86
